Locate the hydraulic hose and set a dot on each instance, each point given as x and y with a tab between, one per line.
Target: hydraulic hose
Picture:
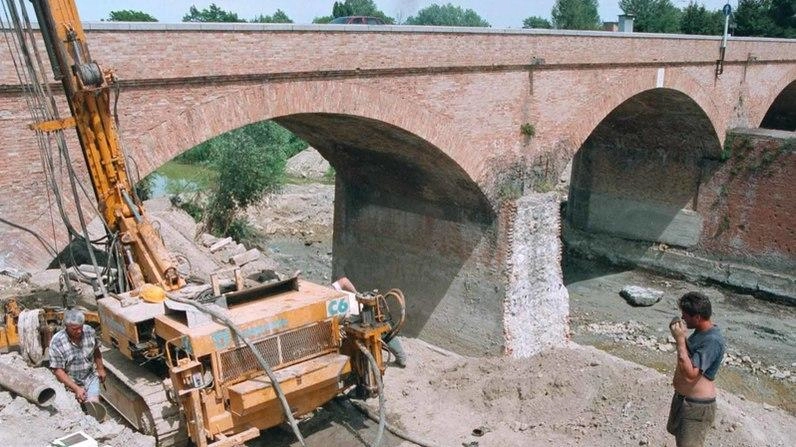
374	367
266	367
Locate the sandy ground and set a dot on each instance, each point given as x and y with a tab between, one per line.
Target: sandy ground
575	395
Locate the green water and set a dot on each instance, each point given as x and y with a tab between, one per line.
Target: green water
176	178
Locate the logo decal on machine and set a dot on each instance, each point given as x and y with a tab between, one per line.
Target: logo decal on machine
337	307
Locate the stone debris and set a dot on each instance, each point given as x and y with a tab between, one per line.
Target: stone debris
633	332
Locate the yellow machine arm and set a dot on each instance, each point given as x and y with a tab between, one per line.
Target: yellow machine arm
87	89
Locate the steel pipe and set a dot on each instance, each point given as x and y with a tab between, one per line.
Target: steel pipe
23	383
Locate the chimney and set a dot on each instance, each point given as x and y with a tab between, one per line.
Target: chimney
626	23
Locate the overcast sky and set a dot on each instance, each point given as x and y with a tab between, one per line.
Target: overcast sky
499	13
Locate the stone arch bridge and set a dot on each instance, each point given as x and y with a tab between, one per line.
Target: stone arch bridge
444	142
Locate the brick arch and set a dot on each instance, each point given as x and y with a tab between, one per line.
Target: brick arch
785	81
616	95
637	174
268	101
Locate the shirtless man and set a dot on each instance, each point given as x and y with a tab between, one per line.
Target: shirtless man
693	406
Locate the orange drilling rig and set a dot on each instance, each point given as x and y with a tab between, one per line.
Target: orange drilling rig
188	362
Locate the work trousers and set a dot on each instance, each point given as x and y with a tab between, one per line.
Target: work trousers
690	419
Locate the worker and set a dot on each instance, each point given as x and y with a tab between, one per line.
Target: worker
75	357
699	357
343	284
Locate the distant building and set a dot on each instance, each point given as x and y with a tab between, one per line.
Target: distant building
624	25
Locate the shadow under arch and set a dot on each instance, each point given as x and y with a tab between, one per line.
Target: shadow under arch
637	175
781	114
409	216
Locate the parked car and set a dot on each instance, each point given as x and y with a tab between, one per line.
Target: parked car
357	20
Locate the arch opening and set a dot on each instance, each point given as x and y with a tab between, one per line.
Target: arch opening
637	176
408	216
782	113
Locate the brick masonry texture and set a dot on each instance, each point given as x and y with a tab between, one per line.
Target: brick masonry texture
465	93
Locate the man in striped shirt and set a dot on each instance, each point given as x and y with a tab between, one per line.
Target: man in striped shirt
75	357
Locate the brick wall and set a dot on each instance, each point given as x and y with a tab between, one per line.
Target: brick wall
748	201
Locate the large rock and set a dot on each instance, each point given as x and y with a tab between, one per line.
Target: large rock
640	296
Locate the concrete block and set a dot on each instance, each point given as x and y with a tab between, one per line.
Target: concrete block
244	258
207	239
220	244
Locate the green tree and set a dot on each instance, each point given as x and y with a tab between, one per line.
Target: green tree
653	16
323	19
356	8
211	14
250	162
536	22
128	15
576	14
278	17
784	14
765	18
447	15
698	20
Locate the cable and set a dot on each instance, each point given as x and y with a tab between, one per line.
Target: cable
374	369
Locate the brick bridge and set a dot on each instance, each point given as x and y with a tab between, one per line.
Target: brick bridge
445	142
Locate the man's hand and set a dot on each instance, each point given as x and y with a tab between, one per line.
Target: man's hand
80	394
101	374
677	328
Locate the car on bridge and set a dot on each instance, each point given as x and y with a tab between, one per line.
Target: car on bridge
357	20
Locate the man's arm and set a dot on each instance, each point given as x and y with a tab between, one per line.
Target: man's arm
684	364
99	365
64	378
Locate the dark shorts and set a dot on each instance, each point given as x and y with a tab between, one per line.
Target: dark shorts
690	420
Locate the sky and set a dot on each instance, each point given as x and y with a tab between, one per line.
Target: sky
499	13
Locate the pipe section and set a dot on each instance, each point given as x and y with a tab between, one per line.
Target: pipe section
21	382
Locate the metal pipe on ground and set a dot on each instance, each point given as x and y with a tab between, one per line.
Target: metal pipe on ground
20	382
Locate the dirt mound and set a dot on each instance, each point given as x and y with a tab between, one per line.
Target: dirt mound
307	164
573	396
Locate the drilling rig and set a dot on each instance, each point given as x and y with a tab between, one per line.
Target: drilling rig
187	362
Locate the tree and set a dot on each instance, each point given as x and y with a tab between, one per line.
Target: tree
250	162
536	22
323	19
278	17
128	15
211	14
357	8
652	16
447	15
698	20
784	14
765	18
576	14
